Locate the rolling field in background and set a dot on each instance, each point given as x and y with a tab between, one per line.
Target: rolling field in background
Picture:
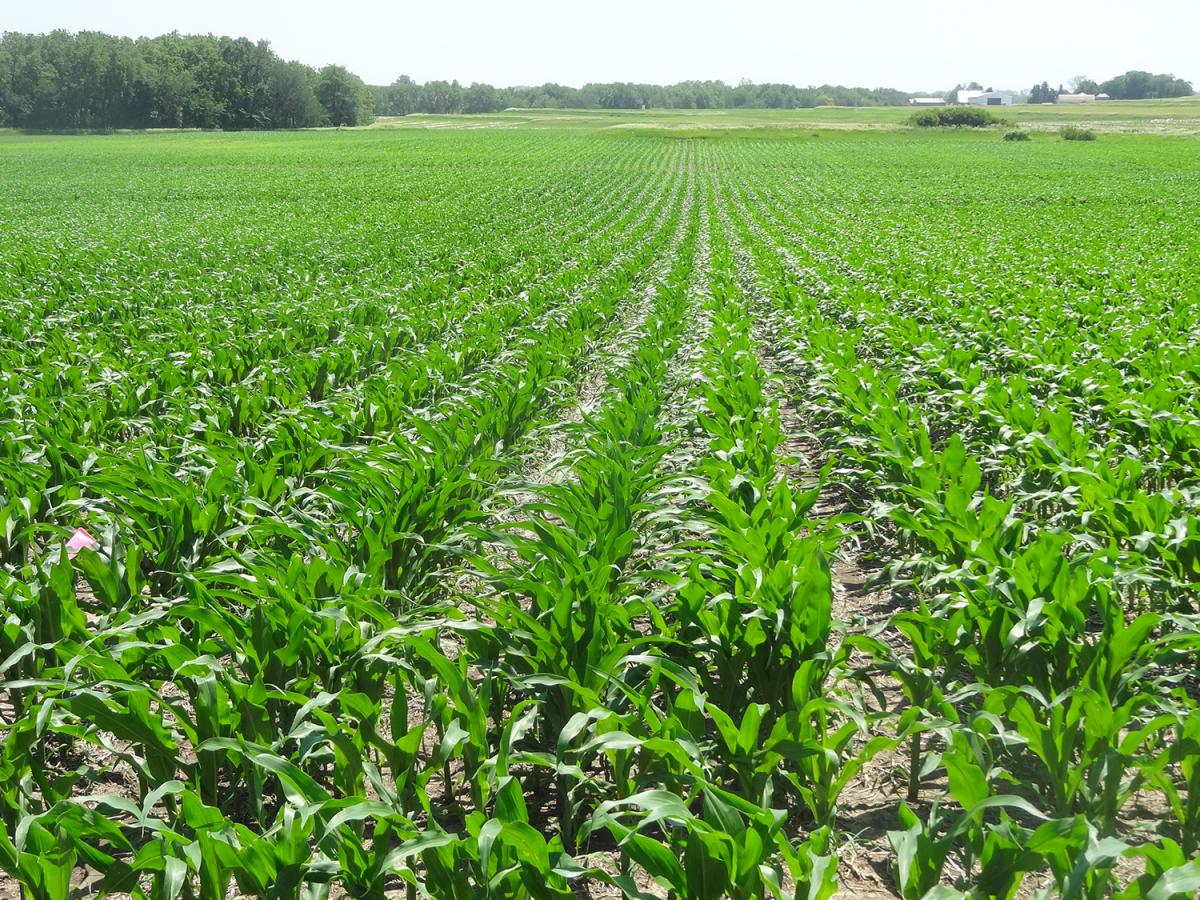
560	504
1158	117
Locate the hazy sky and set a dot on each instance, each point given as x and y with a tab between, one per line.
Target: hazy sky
912	45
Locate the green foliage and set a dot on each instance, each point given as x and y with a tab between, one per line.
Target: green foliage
955	117
404	97
1075	133
1044	93
1136	85
91	80
1017	136
496	530
344	97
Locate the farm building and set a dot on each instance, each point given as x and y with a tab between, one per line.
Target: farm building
1076	98
962	98
992	98
926	101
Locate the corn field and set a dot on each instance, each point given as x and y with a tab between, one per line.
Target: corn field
592	513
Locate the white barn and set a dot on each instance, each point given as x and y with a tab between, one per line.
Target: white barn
926	101
992	98
1076	98
962	98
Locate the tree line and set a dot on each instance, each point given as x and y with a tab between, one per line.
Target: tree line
1133	85
405	96
91	80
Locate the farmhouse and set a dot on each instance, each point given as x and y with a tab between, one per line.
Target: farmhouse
963	97
992	98
926	101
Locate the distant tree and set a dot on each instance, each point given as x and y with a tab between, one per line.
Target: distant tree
546	96
561	96
291	99
344	97
95	80
772	96
442	97
530	97
400	98
249	66
618	95
482	98
170	82
214	80
1136	85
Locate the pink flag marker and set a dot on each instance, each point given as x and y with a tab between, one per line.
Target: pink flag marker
80	540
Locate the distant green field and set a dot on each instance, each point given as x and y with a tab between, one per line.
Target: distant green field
572	504
1140	116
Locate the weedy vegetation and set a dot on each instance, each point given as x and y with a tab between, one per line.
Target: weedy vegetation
956	117
526	514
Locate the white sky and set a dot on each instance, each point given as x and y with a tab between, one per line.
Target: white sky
911	45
